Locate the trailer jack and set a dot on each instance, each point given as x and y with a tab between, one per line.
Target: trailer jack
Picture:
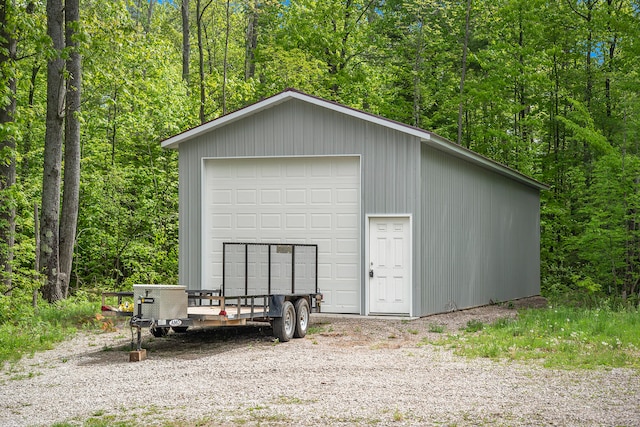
137	343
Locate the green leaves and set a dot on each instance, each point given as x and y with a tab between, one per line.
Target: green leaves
547	92
579	123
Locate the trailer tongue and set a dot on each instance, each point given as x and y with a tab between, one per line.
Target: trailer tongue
261	282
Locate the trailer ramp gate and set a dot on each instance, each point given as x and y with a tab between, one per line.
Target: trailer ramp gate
269	268
270	282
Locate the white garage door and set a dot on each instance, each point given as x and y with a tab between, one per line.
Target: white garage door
292	200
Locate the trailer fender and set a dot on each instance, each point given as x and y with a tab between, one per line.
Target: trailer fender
275	305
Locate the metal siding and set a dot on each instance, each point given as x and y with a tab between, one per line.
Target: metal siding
189	242
390	164
475	233
481	238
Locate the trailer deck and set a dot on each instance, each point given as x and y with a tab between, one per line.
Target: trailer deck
268	282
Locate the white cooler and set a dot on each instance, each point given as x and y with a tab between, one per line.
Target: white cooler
169	301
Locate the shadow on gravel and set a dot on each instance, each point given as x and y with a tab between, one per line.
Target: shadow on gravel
190	345
333	330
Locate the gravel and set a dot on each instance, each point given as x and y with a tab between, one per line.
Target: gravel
349	370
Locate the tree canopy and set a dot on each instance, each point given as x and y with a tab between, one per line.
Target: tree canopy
549	88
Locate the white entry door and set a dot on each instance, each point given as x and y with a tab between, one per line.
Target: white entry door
389	265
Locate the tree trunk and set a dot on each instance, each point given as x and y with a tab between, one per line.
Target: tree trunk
112	127
610	66
225	60
149	15
8	48
417	71
36	232
27	161
251	40
71	192
49	242
199	14
463	73
520	130
186	46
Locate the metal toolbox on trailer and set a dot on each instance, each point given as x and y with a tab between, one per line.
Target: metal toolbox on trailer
168	301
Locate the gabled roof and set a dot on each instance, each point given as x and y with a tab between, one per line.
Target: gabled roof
426	137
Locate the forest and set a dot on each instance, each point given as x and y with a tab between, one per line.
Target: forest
88	89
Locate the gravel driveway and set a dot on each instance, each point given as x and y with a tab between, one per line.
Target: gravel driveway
347	371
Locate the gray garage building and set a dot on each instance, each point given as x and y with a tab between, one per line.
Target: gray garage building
406	222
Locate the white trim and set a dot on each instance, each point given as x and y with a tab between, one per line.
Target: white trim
463	153
365	269
175	140
362	115
291	156
203	185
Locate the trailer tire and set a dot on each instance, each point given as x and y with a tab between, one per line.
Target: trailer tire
159	332
302	318
284	327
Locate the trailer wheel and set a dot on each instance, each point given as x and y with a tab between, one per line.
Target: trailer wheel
284	327
159	332
302	318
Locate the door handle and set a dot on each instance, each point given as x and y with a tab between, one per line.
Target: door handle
371	273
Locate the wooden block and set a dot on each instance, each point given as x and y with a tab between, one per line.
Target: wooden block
137	355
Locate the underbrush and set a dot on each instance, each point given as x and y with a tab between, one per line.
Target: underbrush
29	330
561	337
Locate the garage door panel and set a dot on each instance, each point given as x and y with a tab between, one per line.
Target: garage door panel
321	196
246	221
295	221
270	196
346	169
290	200
270	170
246	171
321	169
218	174
347	196
296	196
327	300
347	271
221	221
320	221
295	170
246	197
223	197
345	299
347	246
325	246
271	221
347	221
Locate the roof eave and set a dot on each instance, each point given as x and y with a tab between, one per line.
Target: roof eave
449	147
174	141
429	138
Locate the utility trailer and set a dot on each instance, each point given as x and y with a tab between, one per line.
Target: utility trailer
261	282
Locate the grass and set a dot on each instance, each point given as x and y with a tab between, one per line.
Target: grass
29	331
291	400
435	328
474	326
397	416
560	337
316	329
